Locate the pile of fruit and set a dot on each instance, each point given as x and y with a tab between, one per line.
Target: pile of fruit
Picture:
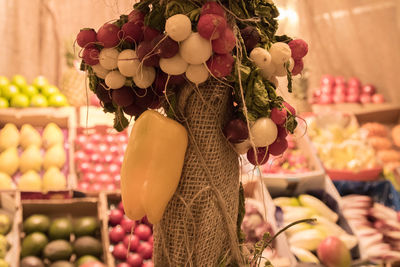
29	153
5	227
376	226
132	241
19	94
98	157
306	238
337	90
60	242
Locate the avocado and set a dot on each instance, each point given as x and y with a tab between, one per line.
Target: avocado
33	244
85	226
57	250
36	223
5	224
62	264
4	246
87	245
84	259
3	263
31	261
60	228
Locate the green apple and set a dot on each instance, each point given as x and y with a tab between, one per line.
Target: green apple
19	101
40	82
58	100
3	102
4	82
49	90
9	91
39	100
29	91
19	81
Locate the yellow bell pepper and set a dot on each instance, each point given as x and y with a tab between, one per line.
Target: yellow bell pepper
152	165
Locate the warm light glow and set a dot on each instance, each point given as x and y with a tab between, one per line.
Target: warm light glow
289	14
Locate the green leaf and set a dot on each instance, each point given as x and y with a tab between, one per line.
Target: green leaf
156	17
289	77
291	123
120	121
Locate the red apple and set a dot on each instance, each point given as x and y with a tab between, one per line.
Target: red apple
340	80
110	187
107	158
83	186
102	148
121	206
327	80
333	253
352	90
134	260
128	224
115	217
98	168
110	138
365	98
353	98
339	98
89	177
325	99
378	98
368	89
131	241
117	178
143	232
104	178
89	147
95	157
340	89
84	166
145	250
120	252
95	138
117	234
326	89
113	168
353	81
81	140
80	156
95	187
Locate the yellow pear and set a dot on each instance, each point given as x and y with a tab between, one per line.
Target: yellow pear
31	159
55	156
53	180
52	135
9	161
30	181
9	136
29	136
5	181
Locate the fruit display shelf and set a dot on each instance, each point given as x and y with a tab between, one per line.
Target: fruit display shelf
38	118
61	230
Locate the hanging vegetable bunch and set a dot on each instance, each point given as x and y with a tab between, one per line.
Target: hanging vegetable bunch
142	60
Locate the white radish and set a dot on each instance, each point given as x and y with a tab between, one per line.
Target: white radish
108	58
174	65
268	72
281	68
128	62
115	80
178	27
100	71
291	64
196	49
261	57
145	77
280	53
264	132
242	148
197	74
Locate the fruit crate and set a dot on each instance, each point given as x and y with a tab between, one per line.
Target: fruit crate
72	209
111	201
65	118
10	206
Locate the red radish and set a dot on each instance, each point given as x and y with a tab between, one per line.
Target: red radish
278	147
83	186
109	35
89	177
353	98
289	108
165	47
127	224
339	98
340	80
147	100
134	110
298	66
328	80
211	26
95	187
354	82
103	94
160	82
147	55
236	131
134	260
121	206
213	8
299	48
117	234
136	15
131	241
91	56
86	37
84	166
120	252
132	32
251	37
123	97
220	65
261	153
225	43
110	187
368	89
340	89
177	79
143	232
115	217
282	132
278	115
378	98
145	250
365	98
325	99
149	33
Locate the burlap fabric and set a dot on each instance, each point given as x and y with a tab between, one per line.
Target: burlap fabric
199	225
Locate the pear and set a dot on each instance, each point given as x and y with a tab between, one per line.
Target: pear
52	135
30	181
9	161
29	136
5	181
31	159
53	180
9	136
55	156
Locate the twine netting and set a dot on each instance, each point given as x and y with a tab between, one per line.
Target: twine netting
199	225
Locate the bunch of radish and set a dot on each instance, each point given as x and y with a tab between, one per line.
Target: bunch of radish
268	135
